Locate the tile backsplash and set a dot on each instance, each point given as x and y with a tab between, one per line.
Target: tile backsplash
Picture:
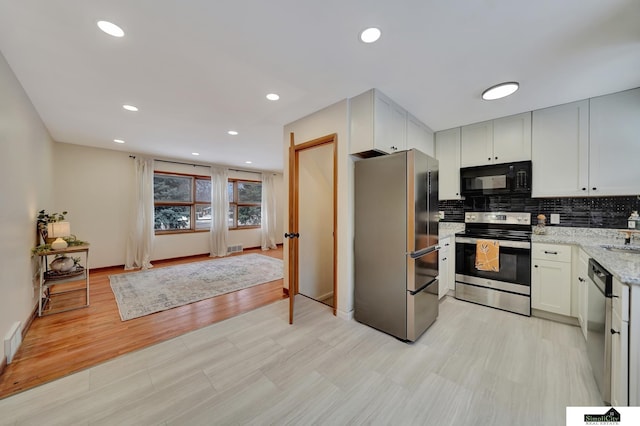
585	212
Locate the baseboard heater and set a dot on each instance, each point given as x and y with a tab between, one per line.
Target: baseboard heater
234	249
12	341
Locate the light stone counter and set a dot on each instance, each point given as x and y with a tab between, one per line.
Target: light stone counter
446	229
624	266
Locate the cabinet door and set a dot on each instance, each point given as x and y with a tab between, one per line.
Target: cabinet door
397	129
419	136
619	360
560	150
512	138
383	123
614	126
583	293
476	144
448	155
444	264
551	286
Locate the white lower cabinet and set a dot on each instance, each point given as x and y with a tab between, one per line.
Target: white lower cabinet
580	298
551	278
620	345
445	266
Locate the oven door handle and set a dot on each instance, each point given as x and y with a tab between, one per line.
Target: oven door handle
501	243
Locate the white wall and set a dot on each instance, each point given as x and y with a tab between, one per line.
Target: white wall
333	119
25	188
315	222
95	186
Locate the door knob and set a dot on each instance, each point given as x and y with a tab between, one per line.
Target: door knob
291	235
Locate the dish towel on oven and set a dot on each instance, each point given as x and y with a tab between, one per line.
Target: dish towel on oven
488	255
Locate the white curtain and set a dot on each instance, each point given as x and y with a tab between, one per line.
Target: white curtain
141	229
219	212
268	227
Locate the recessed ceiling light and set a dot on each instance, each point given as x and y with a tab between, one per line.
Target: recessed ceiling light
500	90
195	153
118	141
370	35
248	162
232	132
110	28
130	108
273	96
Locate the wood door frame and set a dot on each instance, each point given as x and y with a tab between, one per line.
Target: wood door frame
294	209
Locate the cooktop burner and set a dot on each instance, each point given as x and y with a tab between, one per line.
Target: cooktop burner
498	225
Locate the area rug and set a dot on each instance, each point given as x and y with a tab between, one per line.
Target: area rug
154	290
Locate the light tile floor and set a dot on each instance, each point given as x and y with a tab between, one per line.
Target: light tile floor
474	366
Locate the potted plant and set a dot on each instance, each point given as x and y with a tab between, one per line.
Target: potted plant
44	219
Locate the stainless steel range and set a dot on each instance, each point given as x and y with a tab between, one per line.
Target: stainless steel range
506	284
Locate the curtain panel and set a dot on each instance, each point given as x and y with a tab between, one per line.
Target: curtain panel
219	211
268	228
141	228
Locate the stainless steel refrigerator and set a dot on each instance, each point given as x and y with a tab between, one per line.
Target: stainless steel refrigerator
396	243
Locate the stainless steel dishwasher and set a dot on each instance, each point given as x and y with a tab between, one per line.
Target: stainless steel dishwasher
598	326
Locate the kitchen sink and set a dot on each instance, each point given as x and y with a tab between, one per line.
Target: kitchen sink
622	249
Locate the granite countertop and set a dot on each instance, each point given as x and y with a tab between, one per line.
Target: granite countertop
624	266
446	229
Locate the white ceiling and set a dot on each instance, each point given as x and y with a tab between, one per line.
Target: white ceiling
198	68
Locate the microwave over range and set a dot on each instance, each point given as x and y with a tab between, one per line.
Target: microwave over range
496	179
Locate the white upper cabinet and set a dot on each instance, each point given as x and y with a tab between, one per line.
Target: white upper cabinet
512	138
448	155
588	148
502	140
560	150
614	127
476	144
377	124
419	136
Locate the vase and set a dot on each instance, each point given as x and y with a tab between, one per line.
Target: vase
62	264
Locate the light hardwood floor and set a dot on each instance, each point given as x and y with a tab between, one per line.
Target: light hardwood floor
68	342
474	366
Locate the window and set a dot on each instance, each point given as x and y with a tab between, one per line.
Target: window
245	199
181	202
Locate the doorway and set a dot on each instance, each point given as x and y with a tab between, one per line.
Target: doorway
313	218
315	223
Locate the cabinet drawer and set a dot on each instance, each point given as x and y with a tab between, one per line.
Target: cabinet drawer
553	252
621	302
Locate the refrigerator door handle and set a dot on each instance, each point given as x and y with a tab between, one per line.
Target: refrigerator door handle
421	289
423	252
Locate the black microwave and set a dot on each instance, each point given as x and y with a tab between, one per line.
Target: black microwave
496	179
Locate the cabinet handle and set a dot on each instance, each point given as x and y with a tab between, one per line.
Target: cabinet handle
614	332
535	266
581	279
594	188
496	158
395	148
584	189
489	158
550	252
444	258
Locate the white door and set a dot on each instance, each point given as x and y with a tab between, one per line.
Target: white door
315	223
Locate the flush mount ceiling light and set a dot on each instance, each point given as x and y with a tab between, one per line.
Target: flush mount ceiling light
248	162
110	28
500	90
118	141
273	96
370	35
195	153
130	108
232	132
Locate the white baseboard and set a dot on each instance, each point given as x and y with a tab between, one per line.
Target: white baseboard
344	315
